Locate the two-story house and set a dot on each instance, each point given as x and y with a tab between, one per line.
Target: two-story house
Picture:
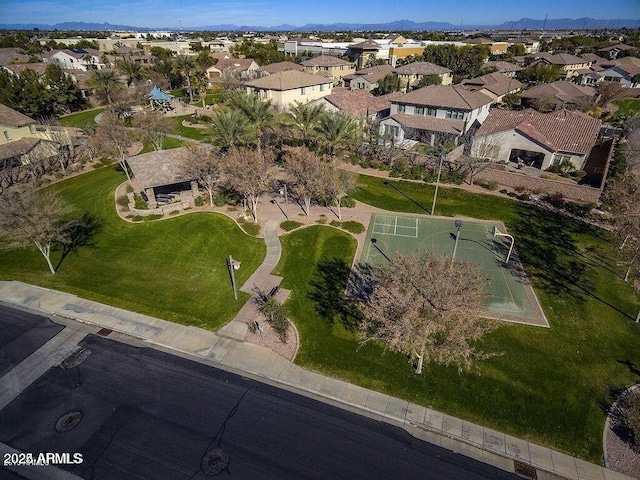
539	140
290	86
570	65
22	138
330	66
76	59
494	85
241	68
411	73
366	78
435	114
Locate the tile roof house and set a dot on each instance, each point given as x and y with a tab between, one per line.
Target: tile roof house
508	69
436	112
18	68
411	73
536	139
242	68
366	78
12	55
285	88
329	65
76	59
625	70
614	50
569	64
21	137
494	85
363	51
558	94
357	104
280	67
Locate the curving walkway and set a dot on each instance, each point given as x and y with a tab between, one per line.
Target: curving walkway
262	280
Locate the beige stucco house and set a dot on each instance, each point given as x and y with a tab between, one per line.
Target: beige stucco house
285	88
539	140
328	65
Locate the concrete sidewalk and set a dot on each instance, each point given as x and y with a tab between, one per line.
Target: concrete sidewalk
489	446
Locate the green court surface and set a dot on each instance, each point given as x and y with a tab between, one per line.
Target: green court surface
511	296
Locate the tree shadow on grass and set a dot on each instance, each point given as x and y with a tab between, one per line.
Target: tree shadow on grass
547	249
328	292
80	232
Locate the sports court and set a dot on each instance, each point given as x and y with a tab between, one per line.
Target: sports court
511	296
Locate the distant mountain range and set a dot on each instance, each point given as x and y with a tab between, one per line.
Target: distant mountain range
399	25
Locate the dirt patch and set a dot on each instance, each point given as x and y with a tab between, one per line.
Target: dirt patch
270	339
621	458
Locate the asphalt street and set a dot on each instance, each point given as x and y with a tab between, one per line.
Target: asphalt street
21	334
146	414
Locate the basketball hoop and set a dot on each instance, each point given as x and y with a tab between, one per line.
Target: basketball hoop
497	233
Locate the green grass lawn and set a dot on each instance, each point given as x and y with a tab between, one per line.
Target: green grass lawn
81	119
189	132
167	144
173	269
548	385
628	106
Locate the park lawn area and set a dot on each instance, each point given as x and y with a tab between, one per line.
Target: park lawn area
167	144
548	385
85	118
626	107
173	269
189	132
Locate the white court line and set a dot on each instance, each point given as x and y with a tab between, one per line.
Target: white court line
395	226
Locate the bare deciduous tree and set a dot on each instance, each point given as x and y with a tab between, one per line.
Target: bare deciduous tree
338	183
33	219
424	307
114	139
306	170
249	173
204	164
153	127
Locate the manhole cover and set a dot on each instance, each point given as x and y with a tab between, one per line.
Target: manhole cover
104	332
76	358
215	461
68	422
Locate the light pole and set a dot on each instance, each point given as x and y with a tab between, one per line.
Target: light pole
435	194
233	265
458	224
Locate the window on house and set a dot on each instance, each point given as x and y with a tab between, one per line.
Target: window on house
6	135
559	158
391	130
322	87
303	91
402	108
419	110
32	129
431	112
454	114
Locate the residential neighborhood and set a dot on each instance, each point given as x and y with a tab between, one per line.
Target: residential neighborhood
273	242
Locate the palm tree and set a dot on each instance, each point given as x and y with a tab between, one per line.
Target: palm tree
132	70
306	117
229	129
185	66
105	81
336	129
259	114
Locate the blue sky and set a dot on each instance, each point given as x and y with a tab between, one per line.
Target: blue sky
193	13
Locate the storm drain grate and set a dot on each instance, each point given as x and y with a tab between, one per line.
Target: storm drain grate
104	332
215	462
78	356
68	422
524	470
